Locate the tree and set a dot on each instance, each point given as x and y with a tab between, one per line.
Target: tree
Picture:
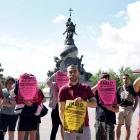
114	76
95	77
128	71
41	86
1	75
1	70
117	77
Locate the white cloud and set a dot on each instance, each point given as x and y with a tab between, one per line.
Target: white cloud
123	43
125	39
89	54
59	18
119	14
92	38
90	29
19	56
83	36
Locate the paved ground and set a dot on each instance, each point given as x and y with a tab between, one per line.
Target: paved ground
45	126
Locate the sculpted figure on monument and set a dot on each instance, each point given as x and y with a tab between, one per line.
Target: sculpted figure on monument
87	76
82	70
70	29
58	61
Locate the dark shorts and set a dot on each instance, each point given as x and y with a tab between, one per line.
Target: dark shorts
55	116
27	123
8	121
104	131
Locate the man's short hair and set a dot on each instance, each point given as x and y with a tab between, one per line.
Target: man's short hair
104	75
7	79
126	75
72	64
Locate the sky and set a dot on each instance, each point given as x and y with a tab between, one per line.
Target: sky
31	34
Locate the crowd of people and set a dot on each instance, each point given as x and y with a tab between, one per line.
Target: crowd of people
106	117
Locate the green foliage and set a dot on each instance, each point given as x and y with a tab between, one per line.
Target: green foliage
128	71
95	77
114	76
1	70
41	86
117	77
1	75
16	78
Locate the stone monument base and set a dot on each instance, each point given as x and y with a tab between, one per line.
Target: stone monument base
81	79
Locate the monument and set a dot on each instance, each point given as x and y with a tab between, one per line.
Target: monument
69	54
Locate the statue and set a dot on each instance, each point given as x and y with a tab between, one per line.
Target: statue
82	70
80	60
58	61
87	76
70	29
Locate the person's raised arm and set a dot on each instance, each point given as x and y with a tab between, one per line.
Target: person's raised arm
136	84
61	111
50	79
94	89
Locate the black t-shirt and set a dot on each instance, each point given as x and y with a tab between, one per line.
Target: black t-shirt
121	93
104	115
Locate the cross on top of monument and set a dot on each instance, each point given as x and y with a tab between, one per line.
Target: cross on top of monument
70	11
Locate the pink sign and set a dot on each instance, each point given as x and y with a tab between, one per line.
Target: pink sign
107	92
61	79
27	89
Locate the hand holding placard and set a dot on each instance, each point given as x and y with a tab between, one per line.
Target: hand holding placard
27	88
107	92
61	79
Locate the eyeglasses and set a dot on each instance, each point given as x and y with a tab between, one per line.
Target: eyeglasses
72	64
10	83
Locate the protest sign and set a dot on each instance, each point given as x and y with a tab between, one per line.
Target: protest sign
107	92
74	116
27	89
61	79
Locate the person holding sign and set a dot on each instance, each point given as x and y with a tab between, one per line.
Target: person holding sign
53	103
136	85
128	96
78	92
29	104
105	115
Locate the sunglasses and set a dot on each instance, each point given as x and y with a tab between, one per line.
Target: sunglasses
72	64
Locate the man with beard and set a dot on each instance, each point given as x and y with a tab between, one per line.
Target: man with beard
126	109
105	118
76	91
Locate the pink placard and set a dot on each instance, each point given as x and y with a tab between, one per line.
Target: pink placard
27	89
61	79
107	92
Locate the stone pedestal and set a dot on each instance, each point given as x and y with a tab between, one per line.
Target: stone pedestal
81	78
90	83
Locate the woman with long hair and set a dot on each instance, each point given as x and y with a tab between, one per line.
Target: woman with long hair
27	110
8	116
